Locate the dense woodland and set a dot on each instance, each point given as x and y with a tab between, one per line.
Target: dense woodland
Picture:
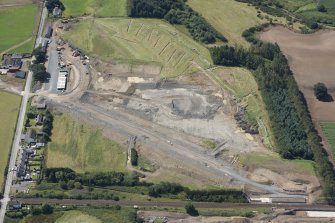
291	123
177	12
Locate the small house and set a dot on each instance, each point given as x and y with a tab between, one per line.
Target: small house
31	137
56	12
20	74
14	205
39	145
39	119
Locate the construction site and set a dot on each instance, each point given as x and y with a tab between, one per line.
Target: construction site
186	127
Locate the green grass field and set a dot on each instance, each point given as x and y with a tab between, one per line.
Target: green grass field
77	216
17	25
9	108
137	41
98	8
83	215
274	162
308	9
229	17
83	148
328	129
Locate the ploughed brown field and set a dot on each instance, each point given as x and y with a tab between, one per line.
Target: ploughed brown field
312	59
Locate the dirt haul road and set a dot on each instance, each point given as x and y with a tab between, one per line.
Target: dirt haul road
158	138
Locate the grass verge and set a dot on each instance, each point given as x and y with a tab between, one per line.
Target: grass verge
9	108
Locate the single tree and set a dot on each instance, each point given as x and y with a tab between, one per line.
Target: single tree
322	8
47	209
40	55
39	72
190	209
320	91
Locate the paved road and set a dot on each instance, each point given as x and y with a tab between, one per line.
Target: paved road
52	69
19	126
157	136
175	204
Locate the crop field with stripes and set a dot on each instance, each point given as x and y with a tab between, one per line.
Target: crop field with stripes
140	41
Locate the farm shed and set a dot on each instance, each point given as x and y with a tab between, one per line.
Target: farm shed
62	78
14	205
48	33
20	74
12	62
45	45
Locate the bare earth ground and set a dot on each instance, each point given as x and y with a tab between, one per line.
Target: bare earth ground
312	59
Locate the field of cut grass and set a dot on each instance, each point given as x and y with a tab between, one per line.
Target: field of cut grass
17	25
83	215
136	41
241	83
77	216
98	8
229	17
328	129
82	148
9	108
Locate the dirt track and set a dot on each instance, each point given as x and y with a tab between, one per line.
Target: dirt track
312	59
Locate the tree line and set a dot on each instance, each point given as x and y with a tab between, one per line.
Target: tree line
69	179
177	12
37	67
294	132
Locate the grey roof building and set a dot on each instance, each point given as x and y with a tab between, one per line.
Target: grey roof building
20	74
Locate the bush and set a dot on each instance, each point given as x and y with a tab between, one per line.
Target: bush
190	209
63	185
321	8
165	188
320	91
47	209
133	157
78	185
36	210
